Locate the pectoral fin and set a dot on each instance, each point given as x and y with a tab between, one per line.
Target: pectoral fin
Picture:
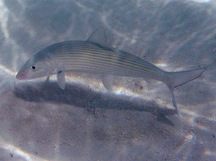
107	82
61	79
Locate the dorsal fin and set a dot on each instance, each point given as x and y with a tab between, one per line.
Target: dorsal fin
98	36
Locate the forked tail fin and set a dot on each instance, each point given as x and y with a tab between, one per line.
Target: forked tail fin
180	78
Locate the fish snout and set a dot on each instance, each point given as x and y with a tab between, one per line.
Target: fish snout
22	75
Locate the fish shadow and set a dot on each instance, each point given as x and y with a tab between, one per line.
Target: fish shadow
84	97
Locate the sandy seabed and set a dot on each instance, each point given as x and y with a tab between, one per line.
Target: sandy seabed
136	121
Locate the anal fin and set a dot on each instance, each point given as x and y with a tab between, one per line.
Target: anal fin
47	79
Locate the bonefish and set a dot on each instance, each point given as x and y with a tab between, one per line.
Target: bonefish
95	56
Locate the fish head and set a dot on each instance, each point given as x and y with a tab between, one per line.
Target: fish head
36	67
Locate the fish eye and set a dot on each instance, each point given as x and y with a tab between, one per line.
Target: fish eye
34	67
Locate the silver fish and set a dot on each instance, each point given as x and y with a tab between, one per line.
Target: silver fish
95	56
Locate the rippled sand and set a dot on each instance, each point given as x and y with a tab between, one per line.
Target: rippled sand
136	121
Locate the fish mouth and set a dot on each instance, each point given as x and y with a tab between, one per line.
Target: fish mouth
22	75
18	76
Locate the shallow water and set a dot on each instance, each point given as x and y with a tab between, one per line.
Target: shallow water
136	121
